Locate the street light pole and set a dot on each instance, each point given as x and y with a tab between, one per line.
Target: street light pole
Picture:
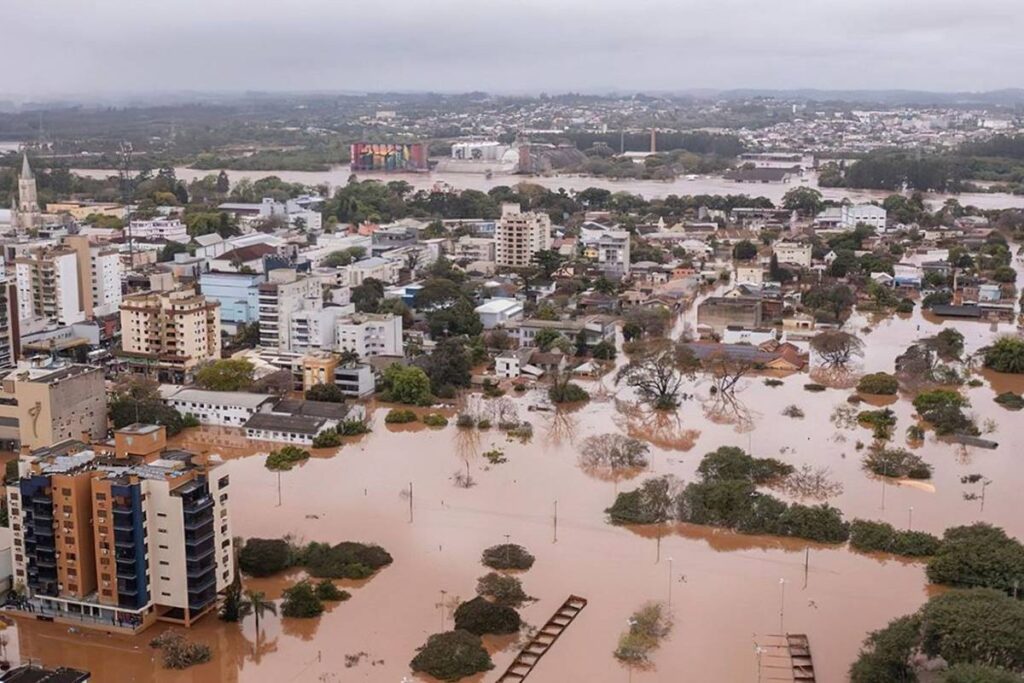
910	518
670	583
782	606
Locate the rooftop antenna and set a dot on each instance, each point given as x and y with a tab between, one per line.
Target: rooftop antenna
127	193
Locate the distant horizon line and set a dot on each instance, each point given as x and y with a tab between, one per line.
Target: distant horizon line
182	94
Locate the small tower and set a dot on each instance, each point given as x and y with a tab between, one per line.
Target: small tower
654	140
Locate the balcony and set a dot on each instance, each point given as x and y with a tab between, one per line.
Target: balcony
198	521
199	537
197	505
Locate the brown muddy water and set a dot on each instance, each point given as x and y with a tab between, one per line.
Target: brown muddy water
724	588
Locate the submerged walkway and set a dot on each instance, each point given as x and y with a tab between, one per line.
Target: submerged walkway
542	641
785	658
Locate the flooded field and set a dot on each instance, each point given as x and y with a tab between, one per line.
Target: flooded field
650	189
724	588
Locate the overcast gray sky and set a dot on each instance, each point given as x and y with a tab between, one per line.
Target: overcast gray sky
114	46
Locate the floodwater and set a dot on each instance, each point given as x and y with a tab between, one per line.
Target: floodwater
651	189
724	588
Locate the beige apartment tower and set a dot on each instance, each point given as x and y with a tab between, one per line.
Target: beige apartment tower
166	334
519	235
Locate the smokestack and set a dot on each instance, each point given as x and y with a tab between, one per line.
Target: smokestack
654	140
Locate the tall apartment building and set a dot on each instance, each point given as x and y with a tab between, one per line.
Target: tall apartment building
48	285
99	275
169	333
519	235
69	283
10	330
118	540
55	400
370	334
285	293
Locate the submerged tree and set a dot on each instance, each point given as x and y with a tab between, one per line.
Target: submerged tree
657	373
837	348
613	452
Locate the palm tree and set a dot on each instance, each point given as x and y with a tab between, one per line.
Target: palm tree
256	603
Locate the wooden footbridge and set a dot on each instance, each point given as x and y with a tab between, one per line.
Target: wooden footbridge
785	658
542	641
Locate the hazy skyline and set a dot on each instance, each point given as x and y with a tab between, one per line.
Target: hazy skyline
61	47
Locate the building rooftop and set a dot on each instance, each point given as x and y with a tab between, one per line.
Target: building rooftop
241	399
281	422
34	674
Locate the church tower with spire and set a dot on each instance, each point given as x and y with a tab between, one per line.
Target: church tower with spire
29	215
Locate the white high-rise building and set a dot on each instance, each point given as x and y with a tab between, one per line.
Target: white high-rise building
284	295
48	286
519	235
369	334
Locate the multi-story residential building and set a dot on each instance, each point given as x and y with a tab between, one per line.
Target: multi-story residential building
117	540
793	252
284	294
158	229
169	333
474	248
849	216
383	269
520	235
314	329
10	330
48	285
369	334
99	275
609	248
55	400
238	294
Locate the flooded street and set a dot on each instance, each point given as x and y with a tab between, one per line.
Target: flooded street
724	587
649	189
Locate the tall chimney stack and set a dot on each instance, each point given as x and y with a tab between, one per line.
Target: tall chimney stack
654	140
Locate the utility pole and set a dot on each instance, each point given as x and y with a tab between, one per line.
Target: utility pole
410	502
279	488
782	606
556	522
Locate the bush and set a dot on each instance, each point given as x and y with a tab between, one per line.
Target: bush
650	504
793	411
897	462
868	536
880	421
189	420
813	387
771	382
180	653
330	393
452	655
502	589
264	556
285	458
1010	400
353	427
885	657
407	385
329	438
301	601
328	592
568	392
648	626
978	555
1006	355
400	416
507	556
346	560
484	423
435	420
730	462
977	626
482	617
465	421
880	383
822	523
